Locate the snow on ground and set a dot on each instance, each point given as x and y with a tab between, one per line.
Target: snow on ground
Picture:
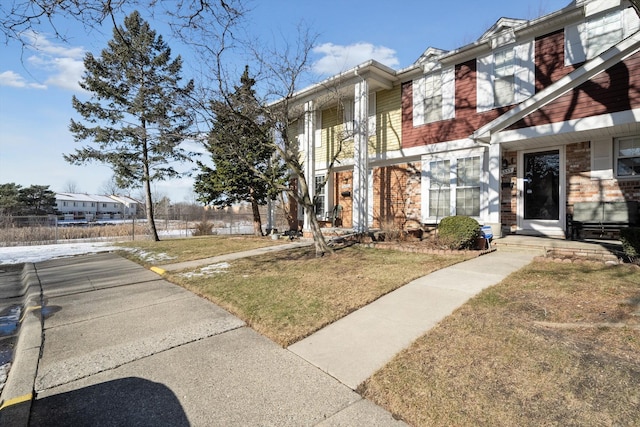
38	253
209	270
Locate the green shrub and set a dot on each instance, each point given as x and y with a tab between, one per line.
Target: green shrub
630	238
458	232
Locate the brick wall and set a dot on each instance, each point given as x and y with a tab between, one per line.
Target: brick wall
580	186
397	195
508	193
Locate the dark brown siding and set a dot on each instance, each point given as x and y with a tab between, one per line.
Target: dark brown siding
615	90
466	121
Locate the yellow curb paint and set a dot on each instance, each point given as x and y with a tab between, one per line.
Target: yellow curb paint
16	400
158	270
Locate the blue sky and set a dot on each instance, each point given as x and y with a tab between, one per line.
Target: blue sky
37	83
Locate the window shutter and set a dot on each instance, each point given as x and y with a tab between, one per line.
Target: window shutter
348	116
602	158
448	93
484	83
525	76
574	44
418	101
372	114
318	130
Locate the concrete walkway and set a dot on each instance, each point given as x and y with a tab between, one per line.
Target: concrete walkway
356	346
111	326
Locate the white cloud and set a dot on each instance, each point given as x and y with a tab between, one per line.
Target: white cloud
13	79
62	66
338	58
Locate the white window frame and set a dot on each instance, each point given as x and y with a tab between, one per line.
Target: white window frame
320	194
453	159
579	45
633	153
441	84
504	66
432	98
523	71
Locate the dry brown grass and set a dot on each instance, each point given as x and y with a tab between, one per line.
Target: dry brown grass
288	295
37	235
493	363
179	250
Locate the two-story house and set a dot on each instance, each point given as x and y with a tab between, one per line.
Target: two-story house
512	129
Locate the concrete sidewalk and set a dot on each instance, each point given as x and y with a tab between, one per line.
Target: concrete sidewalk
122	346
356	346
165	356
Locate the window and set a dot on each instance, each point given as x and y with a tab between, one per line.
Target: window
319	197
603	32
432	98
454	187
600	31
506	76
504	79
104	205
439	189
628	156
468	187
64	203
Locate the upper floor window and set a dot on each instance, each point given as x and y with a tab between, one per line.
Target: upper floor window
627	152
503	83
505	76
603	32
591	37
434	97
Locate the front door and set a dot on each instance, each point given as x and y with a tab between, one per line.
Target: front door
541	207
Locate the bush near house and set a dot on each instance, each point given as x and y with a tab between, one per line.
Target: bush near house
630	238
458	232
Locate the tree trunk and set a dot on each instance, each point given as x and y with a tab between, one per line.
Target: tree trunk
146	178
151	223
257	222
318	238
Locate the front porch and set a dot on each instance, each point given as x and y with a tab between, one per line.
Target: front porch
588	250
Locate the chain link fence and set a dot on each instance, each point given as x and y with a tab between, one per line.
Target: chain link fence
52	229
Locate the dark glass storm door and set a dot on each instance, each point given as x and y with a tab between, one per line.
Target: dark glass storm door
540	192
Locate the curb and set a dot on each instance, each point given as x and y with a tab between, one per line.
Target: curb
18	392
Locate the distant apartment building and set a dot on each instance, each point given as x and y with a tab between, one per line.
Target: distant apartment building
90	207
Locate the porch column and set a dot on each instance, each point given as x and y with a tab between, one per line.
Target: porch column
493	190
308	147
360	156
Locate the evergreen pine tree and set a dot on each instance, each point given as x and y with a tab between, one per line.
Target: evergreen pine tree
242	154
135	117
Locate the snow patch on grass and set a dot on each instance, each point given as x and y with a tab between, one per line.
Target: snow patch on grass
209	270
